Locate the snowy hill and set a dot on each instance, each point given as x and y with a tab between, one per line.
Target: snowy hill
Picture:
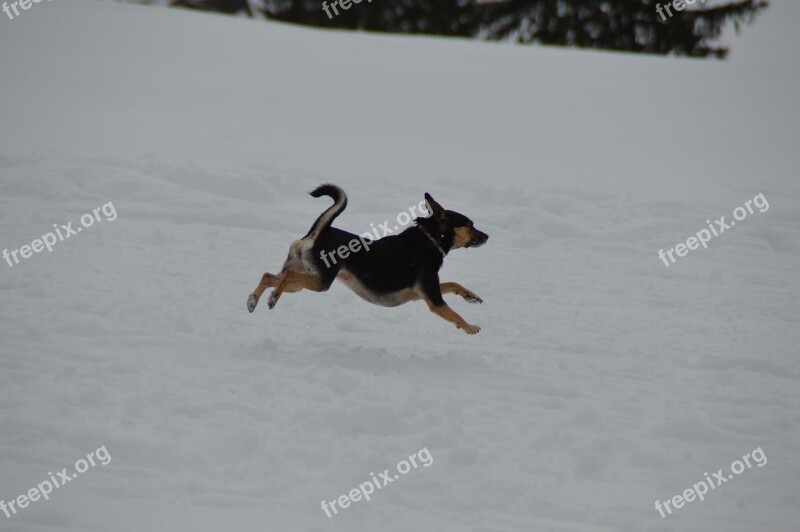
601	381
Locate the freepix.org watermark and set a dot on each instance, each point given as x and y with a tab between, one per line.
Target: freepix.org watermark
45	488
48	240
703	236
342	252
365	489
679	5
344	4
714	481
23	4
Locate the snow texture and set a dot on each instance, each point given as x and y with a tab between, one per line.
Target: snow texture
601	380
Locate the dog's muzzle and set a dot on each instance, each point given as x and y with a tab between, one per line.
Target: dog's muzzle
479	238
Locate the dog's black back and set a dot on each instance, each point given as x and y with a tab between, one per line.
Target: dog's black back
393	263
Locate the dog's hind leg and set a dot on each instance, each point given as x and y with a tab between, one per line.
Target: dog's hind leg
294	281
455	288
267	280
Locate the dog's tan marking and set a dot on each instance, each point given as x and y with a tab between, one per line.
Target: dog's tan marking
462	237
267	280
287	281
293	281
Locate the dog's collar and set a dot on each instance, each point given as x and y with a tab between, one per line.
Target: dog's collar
433	240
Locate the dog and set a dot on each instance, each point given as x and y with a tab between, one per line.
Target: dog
390	271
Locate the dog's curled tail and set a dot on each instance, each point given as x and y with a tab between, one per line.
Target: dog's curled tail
326	218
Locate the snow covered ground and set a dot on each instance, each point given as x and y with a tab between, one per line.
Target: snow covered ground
601	381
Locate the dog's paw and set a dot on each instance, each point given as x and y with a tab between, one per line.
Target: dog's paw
471	329
252	301
471	297
273	299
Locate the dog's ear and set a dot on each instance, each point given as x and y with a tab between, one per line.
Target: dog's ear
437	211
434	208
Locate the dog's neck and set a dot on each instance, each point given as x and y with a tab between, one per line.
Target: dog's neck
433	240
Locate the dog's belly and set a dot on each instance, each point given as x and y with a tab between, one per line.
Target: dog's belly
391	299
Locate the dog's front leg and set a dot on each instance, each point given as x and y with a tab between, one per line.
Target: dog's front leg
440	308
455	288
429	289
452	316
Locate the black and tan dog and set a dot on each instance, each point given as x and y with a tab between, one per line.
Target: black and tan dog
388	272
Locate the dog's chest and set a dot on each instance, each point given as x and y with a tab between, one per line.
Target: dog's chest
391	299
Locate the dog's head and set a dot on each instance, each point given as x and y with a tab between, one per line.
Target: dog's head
457	230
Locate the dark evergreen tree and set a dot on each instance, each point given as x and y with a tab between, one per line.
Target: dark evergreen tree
626	25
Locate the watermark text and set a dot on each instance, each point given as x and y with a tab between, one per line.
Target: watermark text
700	489
45	488
365	489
